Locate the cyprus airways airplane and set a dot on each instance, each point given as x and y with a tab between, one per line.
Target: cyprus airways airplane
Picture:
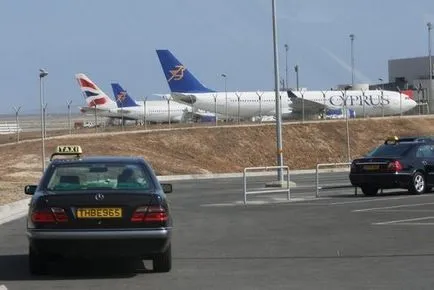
156	111
186	88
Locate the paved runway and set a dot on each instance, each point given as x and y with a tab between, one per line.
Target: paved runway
339	241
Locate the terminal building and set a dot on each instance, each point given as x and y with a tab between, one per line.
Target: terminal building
413	74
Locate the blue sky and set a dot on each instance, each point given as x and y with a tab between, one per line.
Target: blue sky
116	40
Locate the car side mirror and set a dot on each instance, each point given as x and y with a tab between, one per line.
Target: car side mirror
30	189
167	187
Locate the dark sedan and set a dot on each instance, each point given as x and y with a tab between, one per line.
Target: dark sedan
99	207
406	163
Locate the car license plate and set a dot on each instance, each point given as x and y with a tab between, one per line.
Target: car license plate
371	167
102	212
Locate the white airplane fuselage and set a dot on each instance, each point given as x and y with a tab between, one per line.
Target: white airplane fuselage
250	104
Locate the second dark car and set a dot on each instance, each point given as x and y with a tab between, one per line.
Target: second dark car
406	163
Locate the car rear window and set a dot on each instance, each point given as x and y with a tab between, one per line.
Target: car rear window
390	150
91	176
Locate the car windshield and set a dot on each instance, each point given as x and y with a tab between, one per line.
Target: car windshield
390	150
90	176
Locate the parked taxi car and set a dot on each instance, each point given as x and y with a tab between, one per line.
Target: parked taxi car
105	206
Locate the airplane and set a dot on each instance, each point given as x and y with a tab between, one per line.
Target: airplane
188	89
156	111
97	101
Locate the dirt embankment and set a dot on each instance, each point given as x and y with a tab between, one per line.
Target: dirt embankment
215	149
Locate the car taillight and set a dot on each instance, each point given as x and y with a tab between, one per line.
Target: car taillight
60	214
49	215
395	166
149	214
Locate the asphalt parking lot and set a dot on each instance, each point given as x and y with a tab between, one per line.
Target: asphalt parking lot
337	241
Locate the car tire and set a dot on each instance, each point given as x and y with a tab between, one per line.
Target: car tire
369	190
418	183
38	263
162	263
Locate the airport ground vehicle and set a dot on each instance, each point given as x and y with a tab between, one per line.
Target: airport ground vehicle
406	163
104	206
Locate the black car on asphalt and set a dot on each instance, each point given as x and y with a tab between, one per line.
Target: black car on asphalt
406	163
94	207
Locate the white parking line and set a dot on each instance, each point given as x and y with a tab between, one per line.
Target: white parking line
378	199
403	221
390	207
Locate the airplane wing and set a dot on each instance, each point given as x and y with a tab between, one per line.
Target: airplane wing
309	106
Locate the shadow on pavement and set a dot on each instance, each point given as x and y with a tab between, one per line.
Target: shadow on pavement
15	268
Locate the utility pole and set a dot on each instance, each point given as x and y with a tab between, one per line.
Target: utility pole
279	149
352	60
430	71
296	76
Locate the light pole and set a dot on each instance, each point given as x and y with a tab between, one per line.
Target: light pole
42	73
144	111
215	108
381	102
192	111
352	60
226	93
296	75
429	25
17	110
279	150
260	105
286	66
68	103
239	99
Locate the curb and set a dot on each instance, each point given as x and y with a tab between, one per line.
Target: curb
13	210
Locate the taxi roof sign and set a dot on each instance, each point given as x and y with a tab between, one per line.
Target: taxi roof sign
391	140
67	150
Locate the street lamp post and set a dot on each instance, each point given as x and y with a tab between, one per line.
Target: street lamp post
286	66
324	103
279	150
17	110
352	60
96	117
42	73
226	93
430	71
382	103
68	103
363	103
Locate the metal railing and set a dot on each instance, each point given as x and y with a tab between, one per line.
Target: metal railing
334	186
274	189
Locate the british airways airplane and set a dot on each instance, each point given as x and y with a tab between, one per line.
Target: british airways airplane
188	89
125	107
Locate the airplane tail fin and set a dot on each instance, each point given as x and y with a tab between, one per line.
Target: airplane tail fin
123	99
179	78
93	95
